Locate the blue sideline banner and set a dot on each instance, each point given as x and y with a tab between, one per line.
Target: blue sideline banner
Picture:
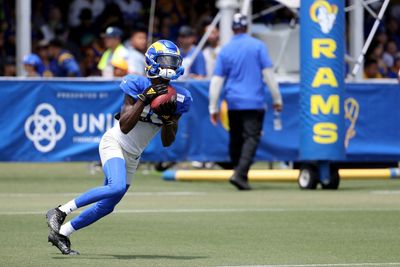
322	80
64	121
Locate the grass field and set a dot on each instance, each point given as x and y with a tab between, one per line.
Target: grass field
162	223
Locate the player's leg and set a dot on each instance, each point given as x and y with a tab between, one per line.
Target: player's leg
235	135
92	214
115	187
113	162
112	168
252	127
113	190
105	206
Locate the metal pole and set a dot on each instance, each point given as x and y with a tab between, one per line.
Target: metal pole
245	10
151	23
371	35
23	41
367	2
356	36
227	9
267	11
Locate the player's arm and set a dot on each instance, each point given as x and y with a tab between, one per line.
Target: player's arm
132	109
216	84
169	130
270	81
130	113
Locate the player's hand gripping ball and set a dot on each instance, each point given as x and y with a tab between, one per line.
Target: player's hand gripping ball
165	104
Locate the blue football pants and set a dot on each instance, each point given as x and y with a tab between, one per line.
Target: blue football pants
105	197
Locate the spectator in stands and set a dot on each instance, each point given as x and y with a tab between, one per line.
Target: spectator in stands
244	65
136	50
55	22
9	66
186	40
112	41
390	53
86	30
375	52
211	51
131	10
33	65
111	16
63	63
392	28
91	56
394	70
42	51
381	37
96	6
62	34
120	66
371	69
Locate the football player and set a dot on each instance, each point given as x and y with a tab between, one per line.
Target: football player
121	146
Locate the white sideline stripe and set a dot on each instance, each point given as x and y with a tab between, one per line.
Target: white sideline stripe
222	210
386	192
178	193
322	265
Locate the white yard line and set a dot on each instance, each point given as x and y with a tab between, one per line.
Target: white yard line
177	193
385	192
218	210
322	265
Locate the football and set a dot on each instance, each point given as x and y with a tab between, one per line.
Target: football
165	98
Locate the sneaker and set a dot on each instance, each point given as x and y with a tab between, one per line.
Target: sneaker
55	218
62	242
239	182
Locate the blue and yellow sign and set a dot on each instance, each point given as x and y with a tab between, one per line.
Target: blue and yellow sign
322	80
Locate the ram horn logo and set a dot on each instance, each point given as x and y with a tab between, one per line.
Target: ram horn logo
324	14
41	127
351	109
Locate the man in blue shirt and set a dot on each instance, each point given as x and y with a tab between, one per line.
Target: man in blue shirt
63	63
186	40
121	146
244	65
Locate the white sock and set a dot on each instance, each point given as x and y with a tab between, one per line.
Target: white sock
68	207
67	229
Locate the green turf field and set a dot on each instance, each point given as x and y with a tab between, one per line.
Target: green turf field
201	224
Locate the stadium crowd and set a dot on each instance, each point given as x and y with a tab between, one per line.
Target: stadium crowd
71	38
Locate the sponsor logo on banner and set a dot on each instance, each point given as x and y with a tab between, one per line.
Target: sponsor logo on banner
45	127
324	14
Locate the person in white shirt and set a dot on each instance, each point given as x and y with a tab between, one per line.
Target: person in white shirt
211	51
136	50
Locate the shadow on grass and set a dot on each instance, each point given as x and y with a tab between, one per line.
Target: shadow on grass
128	257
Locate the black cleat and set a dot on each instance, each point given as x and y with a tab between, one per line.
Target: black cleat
239	183
62	242
55	218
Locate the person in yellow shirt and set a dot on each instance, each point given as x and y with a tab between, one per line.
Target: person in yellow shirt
115	49
120	66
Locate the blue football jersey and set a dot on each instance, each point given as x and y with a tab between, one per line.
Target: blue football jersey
134	84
